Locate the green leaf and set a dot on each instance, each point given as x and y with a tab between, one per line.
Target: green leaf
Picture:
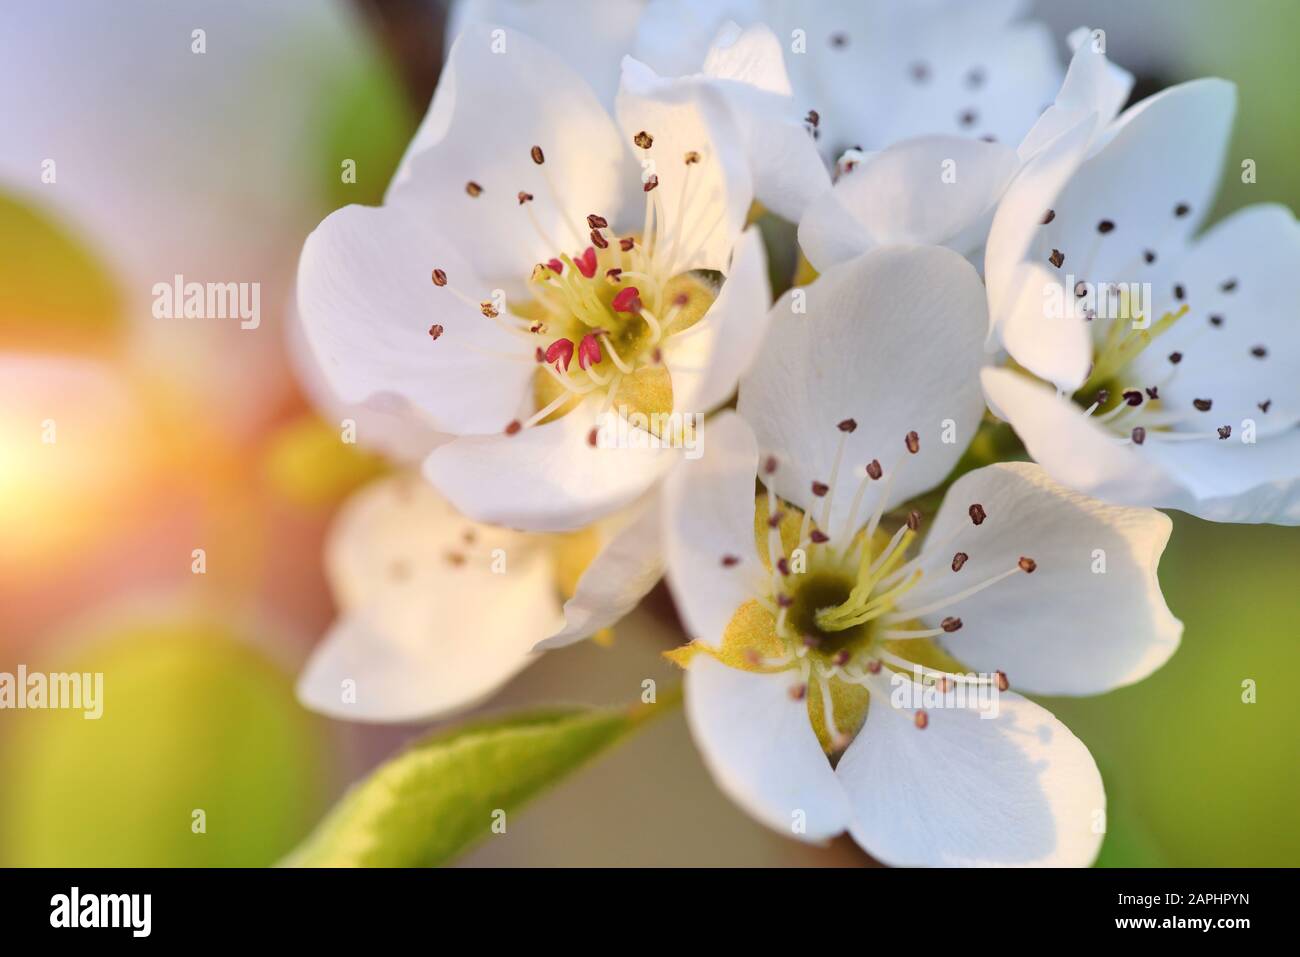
435	800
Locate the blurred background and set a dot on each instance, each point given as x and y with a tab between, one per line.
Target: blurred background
176	435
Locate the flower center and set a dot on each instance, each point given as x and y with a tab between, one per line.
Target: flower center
828	605
597	320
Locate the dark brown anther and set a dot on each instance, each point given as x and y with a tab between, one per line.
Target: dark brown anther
691	158
1149	256
650	183
435	331
977	513
950	624
842	657
1139	435
1216	320
913	442
514	427
1048	217
774	520
1105	226
1102	397
958	560
1057	258
1225	431
783	566
1132	397
598	239
1175	357
813	119
597	222
643	140
967	118
439	277
1003	683
1259	352
1181	210
769	464
798	692
473	188
819	537
1027	565
1203	405
626	243
1228	285
525	197
785	601
730	561
593	437
914	520
820	489
614	275
538	156
874	470
1153	392
1264	406
1179	292
847	425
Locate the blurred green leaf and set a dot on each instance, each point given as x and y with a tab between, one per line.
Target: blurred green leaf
194	719
55	290
432	802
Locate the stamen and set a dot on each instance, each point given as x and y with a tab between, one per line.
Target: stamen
942	603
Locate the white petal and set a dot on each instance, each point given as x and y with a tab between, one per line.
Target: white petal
1089	618
367	299
421	632
591	35
1092	85
762	751
708	516
707	360
1016	66
1153	180
1055	348
627	566
1041	330
891	340
1241	272
490	109
1219	480
397	429
548	478
674	36
752	56
1016	790
749	70
926	191
684	116
1075	450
